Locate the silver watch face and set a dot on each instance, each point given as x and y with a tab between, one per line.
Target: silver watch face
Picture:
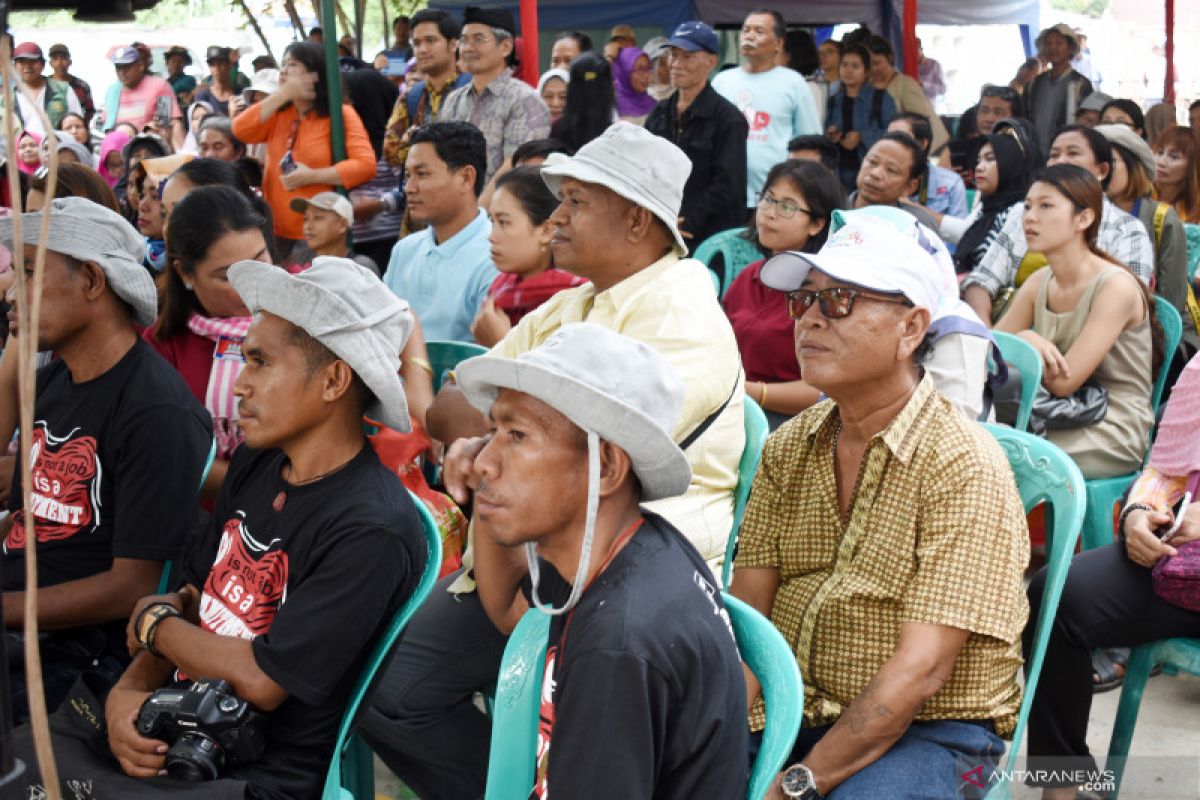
797	780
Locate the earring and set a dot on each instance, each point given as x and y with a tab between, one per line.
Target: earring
187	286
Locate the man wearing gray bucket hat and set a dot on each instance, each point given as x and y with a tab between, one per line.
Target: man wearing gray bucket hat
118	446
581	435
616	227
306	518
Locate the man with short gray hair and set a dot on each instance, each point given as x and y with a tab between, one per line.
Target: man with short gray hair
506	109
118	446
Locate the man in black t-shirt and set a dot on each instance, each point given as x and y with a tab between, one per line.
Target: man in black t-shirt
118	445
313	545
643	692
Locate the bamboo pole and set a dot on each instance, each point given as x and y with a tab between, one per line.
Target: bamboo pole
254	24
28	317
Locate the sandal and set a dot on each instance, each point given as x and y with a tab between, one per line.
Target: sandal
1108	668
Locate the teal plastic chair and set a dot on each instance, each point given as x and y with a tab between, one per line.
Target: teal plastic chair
511	761
1103	493
351	774
445	356
1044	473
1175	655
735	252
1021	354
773	662
756	435
511	764
165	580
1193	248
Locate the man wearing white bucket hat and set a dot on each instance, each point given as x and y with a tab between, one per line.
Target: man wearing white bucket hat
884	537
617	226
581	436
117	447
306	518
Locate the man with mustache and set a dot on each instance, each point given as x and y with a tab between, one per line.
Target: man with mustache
117	448
776	101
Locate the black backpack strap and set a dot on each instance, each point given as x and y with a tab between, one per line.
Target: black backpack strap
709	420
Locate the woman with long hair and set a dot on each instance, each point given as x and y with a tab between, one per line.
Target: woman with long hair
1177	171
1131	189
797	202
74	180
631	78
857	114
77	127
591	102
520	209
293	121
1090	319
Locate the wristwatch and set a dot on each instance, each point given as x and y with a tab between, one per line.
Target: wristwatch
798	782
147	623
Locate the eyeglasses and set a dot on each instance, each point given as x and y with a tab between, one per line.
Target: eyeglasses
786	208
834	303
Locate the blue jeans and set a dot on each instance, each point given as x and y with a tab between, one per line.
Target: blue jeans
928	761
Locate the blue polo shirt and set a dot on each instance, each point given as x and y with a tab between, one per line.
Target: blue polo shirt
444	283
947	195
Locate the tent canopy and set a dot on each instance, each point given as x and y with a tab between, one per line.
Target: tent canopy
555	15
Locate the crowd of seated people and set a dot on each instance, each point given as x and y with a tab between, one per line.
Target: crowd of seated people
235	325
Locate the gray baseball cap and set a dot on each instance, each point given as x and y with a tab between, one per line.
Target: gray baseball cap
619	388
88	231
345	307
1125	136
634	163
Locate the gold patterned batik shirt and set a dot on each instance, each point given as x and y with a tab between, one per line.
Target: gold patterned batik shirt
935	534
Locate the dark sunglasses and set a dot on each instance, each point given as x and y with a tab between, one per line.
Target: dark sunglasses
835	303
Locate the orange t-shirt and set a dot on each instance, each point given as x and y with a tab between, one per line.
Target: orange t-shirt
312	149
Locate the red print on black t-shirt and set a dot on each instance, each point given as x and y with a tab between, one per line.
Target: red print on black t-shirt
246	584
66	488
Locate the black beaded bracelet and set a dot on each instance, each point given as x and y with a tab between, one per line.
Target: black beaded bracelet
1125	512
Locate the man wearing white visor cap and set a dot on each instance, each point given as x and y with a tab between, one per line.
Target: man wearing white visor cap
884	536
581	436
117	447
312	546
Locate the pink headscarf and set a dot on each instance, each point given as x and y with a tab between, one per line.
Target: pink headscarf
114	141
28	169
629	102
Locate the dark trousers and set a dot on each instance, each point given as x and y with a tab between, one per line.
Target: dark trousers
422	720
1108	601
65	655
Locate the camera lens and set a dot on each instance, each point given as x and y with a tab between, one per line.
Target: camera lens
194	758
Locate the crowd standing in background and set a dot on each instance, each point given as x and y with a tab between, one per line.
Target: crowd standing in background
651	243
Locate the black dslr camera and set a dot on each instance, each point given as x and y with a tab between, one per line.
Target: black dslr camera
207	725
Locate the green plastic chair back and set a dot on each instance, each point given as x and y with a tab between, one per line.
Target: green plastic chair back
735	253
971	195
1043	473
1104	493
165	580
351	773
1175	655
447	355
1021	354
511	761
773	662
1193	248
511	767
756	435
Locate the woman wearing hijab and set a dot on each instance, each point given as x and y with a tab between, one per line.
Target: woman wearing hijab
1002	177
552	88
631	77
196	113
111	165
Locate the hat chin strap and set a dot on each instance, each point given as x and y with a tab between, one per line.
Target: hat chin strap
589	533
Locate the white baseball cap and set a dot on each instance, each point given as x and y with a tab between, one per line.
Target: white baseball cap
326	201
870	252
